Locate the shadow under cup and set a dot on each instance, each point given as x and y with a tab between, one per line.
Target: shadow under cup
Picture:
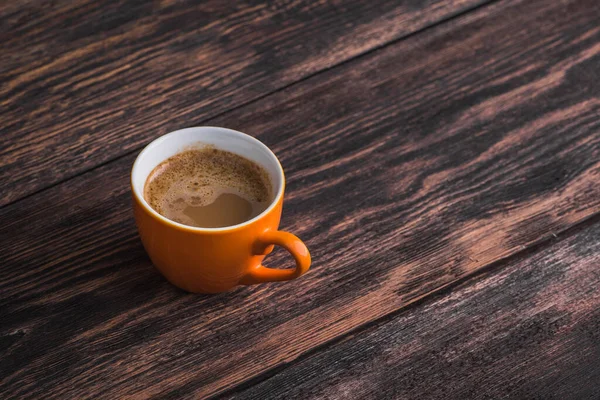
212	260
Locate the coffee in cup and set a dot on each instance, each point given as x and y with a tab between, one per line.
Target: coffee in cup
208	188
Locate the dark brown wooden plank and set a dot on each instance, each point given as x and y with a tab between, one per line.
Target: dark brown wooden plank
407	170
528	330
84	82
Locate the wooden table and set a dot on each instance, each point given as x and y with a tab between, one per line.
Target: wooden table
443	164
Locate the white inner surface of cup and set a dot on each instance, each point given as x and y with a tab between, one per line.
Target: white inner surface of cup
222	138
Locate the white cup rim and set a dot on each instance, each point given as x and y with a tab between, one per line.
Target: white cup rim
138	192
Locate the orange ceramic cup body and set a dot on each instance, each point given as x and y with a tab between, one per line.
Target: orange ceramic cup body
213	260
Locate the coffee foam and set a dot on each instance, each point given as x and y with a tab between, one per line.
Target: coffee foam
197	177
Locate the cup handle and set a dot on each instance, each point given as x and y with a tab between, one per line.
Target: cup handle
289	242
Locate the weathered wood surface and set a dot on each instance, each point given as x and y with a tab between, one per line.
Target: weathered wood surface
528	330
427	161
84	82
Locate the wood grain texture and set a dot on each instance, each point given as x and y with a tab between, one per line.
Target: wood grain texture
407	170
84	82
530	330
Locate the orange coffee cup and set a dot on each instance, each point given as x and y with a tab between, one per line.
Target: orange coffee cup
213	260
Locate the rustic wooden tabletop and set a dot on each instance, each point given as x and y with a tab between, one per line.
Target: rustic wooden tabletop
443	165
